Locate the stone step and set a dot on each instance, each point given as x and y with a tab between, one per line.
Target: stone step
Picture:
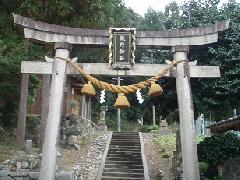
125	146
131	158
116	146
124	166
124	150
123	170
129	154
133	155
123	162
125	143
131	133
122	142
119	178
124	158
119	159
123	174
124	153
125	137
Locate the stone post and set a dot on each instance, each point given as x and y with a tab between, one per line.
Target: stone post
86	109
234	112
48	163
22	113
46	80
69	94
154	116
28	147
83	111
89	104
186	114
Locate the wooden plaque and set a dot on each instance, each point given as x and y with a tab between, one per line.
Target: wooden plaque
122	48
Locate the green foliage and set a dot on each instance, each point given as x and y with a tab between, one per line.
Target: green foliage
7	144
217	178
201	138
97	14
152	128
203	167
7	138
215	150
12	52
166	142
209	95
222	89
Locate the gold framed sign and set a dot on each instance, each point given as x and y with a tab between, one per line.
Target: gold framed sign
122	48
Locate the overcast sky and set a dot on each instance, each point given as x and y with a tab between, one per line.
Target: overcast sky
141	6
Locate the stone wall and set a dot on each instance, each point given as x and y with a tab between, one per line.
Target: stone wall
6	174
25	165
73	129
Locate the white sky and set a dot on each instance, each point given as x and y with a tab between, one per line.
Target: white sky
141	6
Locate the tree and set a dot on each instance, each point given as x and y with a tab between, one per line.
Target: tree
218	93
215	150
97	14
210	95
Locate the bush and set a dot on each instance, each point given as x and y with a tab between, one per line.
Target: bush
152	127
203	167
166	141
215	150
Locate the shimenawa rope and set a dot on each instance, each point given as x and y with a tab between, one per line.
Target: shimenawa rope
122	89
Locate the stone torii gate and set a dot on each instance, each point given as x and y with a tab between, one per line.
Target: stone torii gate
63	37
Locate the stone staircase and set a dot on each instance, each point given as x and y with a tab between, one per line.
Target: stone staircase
124	158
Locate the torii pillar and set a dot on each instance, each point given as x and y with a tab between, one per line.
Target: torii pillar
48	163
186	114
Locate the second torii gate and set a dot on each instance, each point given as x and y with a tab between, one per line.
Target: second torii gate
63	37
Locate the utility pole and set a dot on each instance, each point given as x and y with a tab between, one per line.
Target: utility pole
118	109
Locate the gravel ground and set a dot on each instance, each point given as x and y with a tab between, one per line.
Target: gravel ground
158	166
85	162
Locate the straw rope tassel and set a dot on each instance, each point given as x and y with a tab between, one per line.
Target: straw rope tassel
88	89
121	101
155	89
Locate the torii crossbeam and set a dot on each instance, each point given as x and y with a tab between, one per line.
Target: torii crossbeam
180	40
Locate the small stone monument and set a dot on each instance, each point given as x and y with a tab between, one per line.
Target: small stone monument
19	165
28	147
140	120
164	129
102	122
199	125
